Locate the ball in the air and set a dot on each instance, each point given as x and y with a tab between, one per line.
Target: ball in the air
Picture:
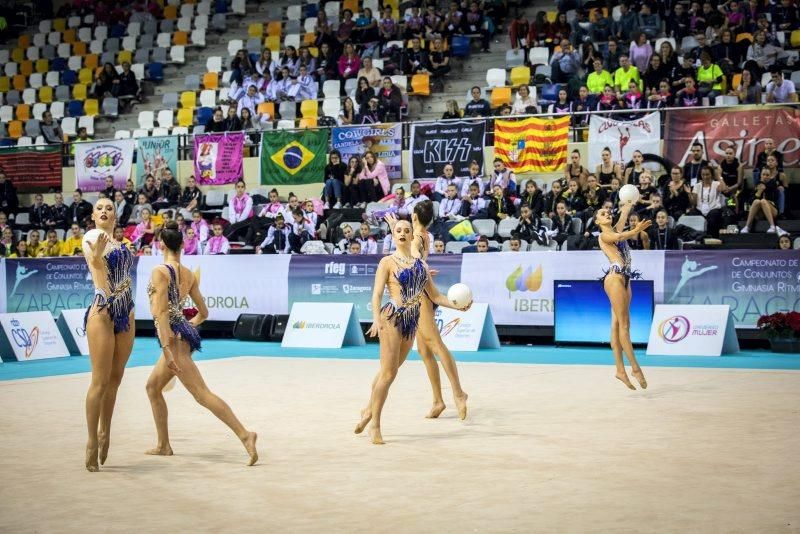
628	193
293	157
460	295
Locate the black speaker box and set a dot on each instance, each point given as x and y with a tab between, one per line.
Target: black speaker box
279	327
253	327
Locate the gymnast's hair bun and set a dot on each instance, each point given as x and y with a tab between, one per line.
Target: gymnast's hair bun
171	236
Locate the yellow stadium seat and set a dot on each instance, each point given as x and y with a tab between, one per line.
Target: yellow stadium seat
394	4
91	107
92	61
794	40
520	76
309	38
273	42
314	51
15	129
85	76
352	5
124	56
69	36
170	12
274	28
42	66
5	84
309	108
24	40
308	122
255	30
26	67
185	117
79	92
409	44
79	49
500	96
180	38
19	81
18	55
268	108
552	16
46	95
421	84
211	80
22	112
188	99
59	25
736	81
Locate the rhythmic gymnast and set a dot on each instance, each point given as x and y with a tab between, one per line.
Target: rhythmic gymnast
616	282
109	326
178	337
407	280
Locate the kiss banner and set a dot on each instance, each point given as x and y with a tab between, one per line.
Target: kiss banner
385	140
623	138
744	127
434	145
29	167
154	156
94	162
218	158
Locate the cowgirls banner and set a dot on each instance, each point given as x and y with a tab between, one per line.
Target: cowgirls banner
385	140
744	127
623	138
94	162
218	158
434	145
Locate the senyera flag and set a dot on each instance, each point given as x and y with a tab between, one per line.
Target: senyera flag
532	145
32	167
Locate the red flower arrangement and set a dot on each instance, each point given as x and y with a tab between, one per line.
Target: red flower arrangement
780	325
189	313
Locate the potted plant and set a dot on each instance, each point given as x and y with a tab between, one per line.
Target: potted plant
782	330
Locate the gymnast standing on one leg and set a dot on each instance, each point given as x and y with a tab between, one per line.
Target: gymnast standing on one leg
109	327
169	285
616	282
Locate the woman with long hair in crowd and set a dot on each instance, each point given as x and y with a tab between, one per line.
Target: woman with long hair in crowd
373	180
178	337
351	182
109	326
616	281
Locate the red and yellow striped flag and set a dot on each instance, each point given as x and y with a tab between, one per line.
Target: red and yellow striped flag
532	145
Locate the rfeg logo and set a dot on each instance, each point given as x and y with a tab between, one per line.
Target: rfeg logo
24	339
674	329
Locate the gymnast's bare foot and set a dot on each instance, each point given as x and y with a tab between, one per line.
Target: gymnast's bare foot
250	444
625	380
436	410
377	438
461	404
639	376
91	458
366	416
160	450
103	442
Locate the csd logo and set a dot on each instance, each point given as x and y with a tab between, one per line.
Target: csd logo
24	339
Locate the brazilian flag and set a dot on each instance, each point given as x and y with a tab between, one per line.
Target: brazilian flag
289	158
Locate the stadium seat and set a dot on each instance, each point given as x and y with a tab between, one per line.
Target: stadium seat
208	98
204	114
331	107
70	126
198	37
211	80
421	85
36	80
138	70
500	96
515	58
57	109
29	96
696	222
13	97
6	114
255	29
15	129
794	40
129	43
18	82
24	141
723	100
188	100
88	123
139	133
122	134
170	100
22	112
17	55
177	54
110	107
267	108
495	77
520	76
285	124
238	7
309	108
32	128
79	92
41	66
234	46
180	38
38	110
192	82
85	76
398	80
91	107
160	132
292	39
146	120
214	64
308	122
219	23
166	118
155	72
124	56
75	108
46	95
273	42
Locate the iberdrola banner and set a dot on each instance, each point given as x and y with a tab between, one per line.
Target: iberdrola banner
218	158
289	158
94	162
623	138
532	145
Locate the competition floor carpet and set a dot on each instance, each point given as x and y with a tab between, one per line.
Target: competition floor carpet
552	443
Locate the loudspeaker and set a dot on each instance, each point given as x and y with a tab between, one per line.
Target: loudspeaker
253	327
279	327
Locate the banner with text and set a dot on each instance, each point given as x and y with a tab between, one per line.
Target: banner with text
519	287
351	278
623	138
434	145
218	158
47	284
385	140
29	167
752	282
94	162
745	127
154	156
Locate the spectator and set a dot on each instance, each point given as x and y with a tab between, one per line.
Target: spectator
655	73
352	192
438	246
785	16
708	200
646	192
52	247
625	74
170	192
371	114
141	204
144	232
7	242
532	198
482	245
191	244
290	60
414	25
438	60
640	52
347	115
779	176
433	22
528	227
689	96
763	53
764	202
728	54
9	202
250	101
109	190
580	28
342	246
608	100
449	209
660	235
477	23
581	106
607	169
473	206
308	86
691	171
373	178
761	159
451	110
192	197
240	67
390	100
106	82
566	63
709	78
20	250
477	107
149	188
415	59
624	28
367	241
334	181
38	212
416	197
354	248
678	24
349	62
731	173
574	170
677	195
327	65
57	214
216	123
561	224
503	177
306	59
473	178
126	86
453	21
218	243
524	104
635	169
573	198
597	80
265	64
323	32
71	245
779	90
200	227
301	231
364	92
681	73
369	73
500	207
600	29
784	242
634	99
387	26
50	130
292	204
3	221
749	90
640	241
122	208
612	55
79	210
444	181
562	106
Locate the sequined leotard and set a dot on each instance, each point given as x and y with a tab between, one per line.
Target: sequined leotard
119	300
624	268
405	314
182	328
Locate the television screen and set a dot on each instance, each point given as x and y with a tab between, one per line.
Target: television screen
583	312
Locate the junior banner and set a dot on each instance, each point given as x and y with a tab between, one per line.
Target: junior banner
218	158
623	138
154	156
385	140
94	162
47	284
532	145
230	285
436	144
752	282
745	127
519	287
289	158
29	167
351	278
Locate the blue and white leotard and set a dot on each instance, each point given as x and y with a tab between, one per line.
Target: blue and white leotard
412	288
625	268
119	300
178	323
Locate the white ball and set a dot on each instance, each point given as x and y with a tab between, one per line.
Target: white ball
629	193
89	238
460	295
